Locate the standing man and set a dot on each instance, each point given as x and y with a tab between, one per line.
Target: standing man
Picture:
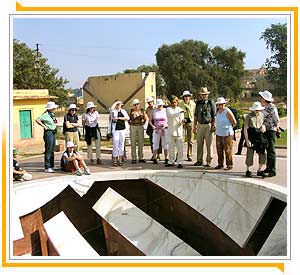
188	107
204	126
71	124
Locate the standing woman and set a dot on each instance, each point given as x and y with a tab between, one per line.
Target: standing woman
48	121
92	131
225	122
159	123
71	124
271	122
138	117
119	124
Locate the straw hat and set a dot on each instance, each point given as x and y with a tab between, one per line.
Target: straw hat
51	105
70	144
90	104
186	93
204	91
73	106
266	95
221	100
256	106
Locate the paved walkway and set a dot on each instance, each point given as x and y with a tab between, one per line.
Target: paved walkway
34	165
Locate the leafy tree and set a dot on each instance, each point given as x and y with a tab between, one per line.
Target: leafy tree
29	74
276	40
191	64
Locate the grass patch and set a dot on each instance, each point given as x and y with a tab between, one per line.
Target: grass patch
282	141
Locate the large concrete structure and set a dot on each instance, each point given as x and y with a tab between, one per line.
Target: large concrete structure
104	90
27	106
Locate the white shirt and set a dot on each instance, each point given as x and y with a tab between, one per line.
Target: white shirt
175	121
91	119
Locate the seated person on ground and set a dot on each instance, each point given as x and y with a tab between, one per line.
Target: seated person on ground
19	173
72	161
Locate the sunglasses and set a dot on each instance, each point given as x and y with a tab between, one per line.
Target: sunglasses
136	104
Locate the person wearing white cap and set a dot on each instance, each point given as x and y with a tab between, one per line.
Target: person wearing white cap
19	173
225	121
138	117
188	107
204	126
72	161
253	131
92	131
71	124
48	121
119	119
272	126
159	123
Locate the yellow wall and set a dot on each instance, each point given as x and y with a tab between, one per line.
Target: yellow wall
120	86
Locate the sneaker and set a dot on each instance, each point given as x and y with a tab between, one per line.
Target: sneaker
78	172
169	164
99	161
133	161
49	170
142	160
219	167
180	166
261	174
228	168
206	165
189	159
154	161
198	163
87	171
166	161
248	174
120	163
271	174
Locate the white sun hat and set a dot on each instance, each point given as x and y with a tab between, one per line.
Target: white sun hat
149	99
135	101
186	93
221	100
204	91
27	176
115	104
70	144
73	106
266	95
256	106
51	105
159	102
90	104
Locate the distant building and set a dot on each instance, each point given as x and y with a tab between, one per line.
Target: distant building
248	82
104	90
27	106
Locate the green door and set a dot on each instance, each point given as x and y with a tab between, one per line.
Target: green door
25	124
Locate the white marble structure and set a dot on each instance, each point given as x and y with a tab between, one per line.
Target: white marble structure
235	205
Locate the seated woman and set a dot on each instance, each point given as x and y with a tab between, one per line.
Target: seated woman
19	173
72	161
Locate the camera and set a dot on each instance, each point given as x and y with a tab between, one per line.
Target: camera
278	132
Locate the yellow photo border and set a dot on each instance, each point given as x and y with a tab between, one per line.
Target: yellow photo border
279	265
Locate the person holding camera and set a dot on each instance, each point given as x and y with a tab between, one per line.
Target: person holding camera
271	121
188	107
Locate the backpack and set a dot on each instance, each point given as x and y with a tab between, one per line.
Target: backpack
236	116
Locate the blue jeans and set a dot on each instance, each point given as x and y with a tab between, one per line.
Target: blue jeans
49	139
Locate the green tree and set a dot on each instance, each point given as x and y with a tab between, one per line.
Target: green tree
276	40
30	74
191	64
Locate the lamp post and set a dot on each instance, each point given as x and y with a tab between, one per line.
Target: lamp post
37	65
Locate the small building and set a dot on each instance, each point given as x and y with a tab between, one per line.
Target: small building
27	106
104	90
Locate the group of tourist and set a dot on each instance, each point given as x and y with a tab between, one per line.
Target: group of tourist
168	128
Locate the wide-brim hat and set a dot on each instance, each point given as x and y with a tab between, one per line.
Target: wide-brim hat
135	101
90	104
266	95
73	106
221	100
256	106
51	105
115	104
149	99
204	91
159	102
70	144
186	93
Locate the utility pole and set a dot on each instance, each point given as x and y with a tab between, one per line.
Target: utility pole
37	64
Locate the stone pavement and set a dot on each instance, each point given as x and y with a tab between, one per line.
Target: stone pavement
34	164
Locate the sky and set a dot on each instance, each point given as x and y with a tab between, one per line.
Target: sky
83	47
